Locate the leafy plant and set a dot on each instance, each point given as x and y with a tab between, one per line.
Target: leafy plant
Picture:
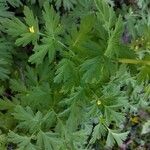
68	79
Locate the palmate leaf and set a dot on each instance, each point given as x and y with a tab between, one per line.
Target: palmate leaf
32	35
67	4
113	115
146	127
78	37
49	120
144	73
3	72
74	119
17	85
8	105
113	137
48	46
98	132
52	21
3	141
114	41
83	8
5	58
64	71
114	100
14	3
67	74
15	27
35	90
49	43
72	140
100	67
6	120
23	142
74	104
28	120
37	76
4	11
26	33
80	137
48	141
33	122
42	94
105	14
92	70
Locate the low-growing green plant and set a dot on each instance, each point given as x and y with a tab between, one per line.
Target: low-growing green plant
68	78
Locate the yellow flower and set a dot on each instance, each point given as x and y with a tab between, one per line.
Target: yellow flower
99	102
137	41
136	47
142	38
135	119
31	29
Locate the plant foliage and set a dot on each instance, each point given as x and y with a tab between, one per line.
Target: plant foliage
68	77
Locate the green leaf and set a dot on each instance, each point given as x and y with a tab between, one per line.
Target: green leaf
3	141
15	27
144	73
77	38
72	140
33	122
47	46
112	115
115	137
67	74
98	132
67	4
49	120
48	141
28	120
5	58
146	127
89	67
52	21
3	72
74	119
33	29
105	14
17	85
49	43
23	142
74	104
6	105
114	40
25	33
4	13
14	3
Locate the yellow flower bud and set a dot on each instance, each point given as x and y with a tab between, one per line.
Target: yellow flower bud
99	102
142	38
135	119
136	47
31	29
137	41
